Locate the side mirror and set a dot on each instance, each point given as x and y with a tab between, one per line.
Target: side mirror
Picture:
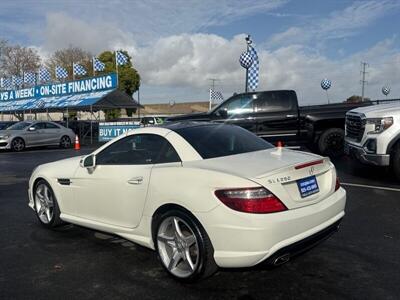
88	162
222	113
32	129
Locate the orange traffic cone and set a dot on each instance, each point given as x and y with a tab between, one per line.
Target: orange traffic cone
279	144
77	144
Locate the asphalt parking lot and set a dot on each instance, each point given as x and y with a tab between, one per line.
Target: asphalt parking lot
361	261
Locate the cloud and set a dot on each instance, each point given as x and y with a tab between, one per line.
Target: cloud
59	22
339	24
62	31
175	61
182	64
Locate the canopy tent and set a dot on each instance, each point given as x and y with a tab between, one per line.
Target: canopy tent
94	101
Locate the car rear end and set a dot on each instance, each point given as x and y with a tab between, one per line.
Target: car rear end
286	200
279	215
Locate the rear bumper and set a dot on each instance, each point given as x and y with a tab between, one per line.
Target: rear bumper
284	254
244	240
367	158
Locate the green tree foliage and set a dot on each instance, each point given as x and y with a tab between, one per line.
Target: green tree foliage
128	77
356	99
112	114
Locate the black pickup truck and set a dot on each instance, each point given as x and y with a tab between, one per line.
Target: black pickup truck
276	116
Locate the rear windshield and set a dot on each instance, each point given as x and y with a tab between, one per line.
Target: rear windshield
222	140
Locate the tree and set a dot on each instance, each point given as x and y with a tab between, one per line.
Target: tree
128	77
112	114
16	60
66	57
356	99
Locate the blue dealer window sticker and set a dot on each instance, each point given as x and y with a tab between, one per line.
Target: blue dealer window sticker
308	186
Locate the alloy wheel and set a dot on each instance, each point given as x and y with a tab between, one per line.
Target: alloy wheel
18	144
65	142
178	247
44	203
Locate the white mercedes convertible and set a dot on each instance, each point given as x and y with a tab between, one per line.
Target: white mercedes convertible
201	195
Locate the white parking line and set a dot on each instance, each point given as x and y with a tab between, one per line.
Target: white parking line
370	186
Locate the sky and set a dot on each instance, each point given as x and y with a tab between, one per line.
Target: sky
179	45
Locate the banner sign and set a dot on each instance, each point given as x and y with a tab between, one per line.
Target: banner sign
87	85
75	100
110	130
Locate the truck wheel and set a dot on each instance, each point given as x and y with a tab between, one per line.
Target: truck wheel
396	160
331	142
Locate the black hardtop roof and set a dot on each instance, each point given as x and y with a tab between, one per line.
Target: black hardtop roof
177	125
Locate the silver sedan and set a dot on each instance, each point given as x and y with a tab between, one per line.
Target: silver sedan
35	133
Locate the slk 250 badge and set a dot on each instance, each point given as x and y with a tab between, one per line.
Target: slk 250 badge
279	179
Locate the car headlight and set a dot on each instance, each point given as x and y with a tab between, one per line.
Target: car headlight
381	124
4	137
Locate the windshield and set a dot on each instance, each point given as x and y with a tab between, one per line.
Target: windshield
222	140
19	126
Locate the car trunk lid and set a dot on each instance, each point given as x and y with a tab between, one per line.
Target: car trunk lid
281	171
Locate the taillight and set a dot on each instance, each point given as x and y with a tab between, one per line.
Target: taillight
250	200
337	185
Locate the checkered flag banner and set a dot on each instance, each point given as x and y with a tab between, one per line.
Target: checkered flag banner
98	65
246	60
6	83
78	69
326	84
44	75
16	80
30	78
216	95
386	90
61	73
252	81
121	58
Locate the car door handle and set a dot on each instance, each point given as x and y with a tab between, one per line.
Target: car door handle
136	180
290	116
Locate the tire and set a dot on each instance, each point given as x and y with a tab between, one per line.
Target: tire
395	161
331	142
18	144
65	142
46	206
187	253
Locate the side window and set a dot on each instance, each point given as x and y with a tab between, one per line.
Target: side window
39	126
51	126
240	105
275	101
139	149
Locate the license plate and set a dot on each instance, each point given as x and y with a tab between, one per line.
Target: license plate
308	186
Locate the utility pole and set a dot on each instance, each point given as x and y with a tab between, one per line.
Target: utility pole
363	81
248	43
213	80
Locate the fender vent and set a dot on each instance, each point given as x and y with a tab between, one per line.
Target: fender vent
64	181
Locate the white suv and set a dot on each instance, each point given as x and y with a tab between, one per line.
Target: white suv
373	135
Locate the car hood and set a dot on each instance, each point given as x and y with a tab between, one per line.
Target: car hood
10	132
64	168
381	110
255	164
